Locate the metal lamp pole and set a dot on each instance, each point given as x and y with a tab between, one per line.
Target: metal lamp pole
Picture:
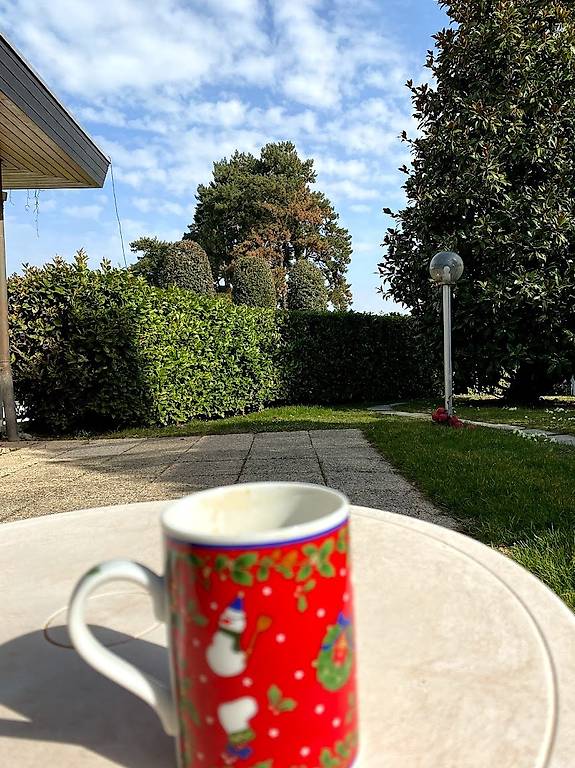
445	269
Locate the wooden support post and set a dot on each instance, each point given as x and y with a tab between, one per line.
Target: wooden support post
6	383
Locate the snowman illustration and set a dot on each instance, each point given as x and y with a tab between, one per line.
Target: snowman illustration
234	717
225	655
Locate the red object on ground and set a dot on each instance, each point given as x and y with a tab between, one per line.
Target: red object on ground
264	651
440	416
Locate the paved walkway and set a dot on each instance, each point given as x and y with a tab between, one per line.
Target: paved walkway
57	476
554	437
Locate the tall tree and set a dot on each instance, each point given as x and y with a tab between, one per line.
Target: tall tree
493	177
265	206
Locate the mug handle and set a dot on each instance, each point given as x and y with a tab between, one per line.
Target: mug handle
148	688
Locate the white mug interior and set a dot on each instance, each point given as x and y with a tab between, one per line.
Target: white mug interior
255	513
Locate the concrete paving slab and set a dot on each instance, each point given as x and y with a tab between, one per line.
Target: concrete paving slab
337	436
173	489
201	456
289	466
94	450
224	442
190	469
273	439
375	481
282	450
162	446
565	439
282	475
369	463
61	476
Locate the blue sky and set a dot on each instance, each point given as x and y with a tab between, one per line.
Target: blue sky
166	87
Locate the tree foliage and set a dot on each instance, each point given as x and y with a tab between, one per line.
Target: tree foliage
492	177
182	264
264	206
306	287
253	282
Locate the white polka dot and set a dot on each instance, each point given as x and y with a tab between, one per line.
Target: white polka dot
320	709
200	755
267	591
299	674
336	722
281	638
343	572
345	597
214	606
196	642
320	613
273	733
203	679
304	751
247	682
210	720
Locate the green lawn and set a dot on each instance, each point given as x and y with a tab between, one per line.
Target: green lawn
556	414
513	494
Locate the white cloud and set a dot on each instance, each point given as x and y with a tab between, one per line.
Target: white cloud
346	188
361	208
161	207
92	212
171	86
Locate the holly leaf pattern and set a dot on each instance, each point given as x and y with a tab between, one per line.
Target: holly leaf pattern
326	569
246	560
287	705
326	549
304	572
327	760
342	540
302	603
274	695
244	578
277	702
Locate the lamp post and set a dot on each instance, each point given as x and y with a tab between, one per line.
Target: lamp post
445	269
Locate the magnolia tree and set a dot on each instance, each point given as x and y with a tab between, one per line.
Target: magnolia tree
492	177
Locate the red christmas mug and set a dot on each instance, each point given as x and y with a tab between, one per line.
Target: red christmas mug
258	601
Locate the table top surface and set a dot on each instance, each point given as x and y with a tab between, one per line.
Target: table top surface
465	659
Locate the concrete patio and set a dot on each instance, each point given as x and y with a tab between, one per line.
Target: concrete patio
58	476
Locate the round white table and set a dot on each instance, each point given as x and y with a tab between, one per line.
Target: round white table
466	660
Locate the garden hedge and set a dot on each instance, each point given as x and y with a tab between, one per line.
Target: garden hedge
98	349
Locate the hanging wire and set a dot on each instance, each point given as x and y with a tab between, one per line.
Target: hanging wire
117	214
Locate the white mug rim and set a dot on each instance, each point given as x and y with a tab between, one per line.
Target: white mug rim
301	531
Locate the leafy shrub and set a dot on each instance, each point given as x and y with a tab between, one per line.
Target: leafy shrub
186	265
97	349
183	264
253	283
306	287
344	357
100	348
149	264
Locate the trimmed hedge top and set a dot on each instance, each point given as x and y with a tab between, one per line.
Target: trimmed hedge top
98	349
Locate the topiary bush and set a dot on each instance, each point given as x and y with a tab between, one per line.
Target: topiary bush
253	283
100	349
185	265
306	289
